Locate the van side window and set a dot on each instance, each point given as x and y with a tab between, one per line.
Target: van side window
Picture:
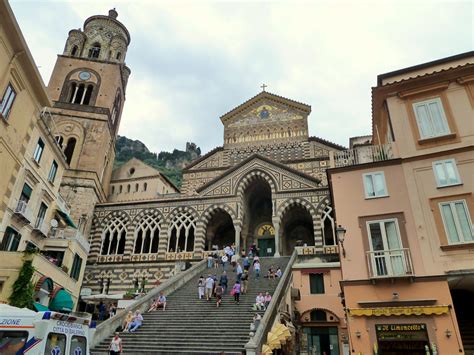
56	344
11	342
78	345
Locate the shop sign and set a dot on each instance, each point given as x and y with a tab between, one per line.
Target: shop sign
401	332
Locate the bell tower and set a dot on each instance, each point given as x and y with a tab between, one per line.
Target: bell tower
88	87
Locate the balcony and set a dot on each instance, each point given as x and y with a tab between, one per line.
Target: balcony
363	155
22	212
41	228
389	263
62	205
70	235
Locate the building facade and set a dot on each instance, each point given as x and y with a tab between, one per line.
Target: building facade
266	185
33	214
407	259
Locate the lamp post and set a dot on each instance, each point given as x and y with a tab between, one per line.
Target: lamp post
341	232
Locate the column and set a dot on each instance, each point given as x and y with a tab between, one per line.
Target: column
237	240
276	226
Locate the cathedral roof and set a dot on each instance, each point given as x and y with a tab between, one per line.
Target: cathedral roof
326	142
269	96
265	159
205	156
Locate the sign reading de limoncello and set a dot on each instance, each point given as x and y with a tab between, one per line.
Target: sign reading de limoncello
401	331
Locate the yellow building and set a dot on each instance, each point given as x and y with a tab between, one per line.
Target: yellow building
33	215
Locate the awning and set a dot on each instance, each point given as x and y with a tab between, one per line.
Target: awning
399	311
66	218
61	302
40	308
44	283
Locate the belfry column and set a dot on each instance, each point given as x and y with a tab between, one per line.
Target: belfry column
238	229
276	226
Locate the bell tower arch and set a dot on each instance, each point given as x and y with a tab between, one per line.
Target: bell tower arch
88	86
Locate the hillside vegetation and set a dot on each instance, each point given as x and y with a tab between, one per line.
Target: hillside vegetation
170	164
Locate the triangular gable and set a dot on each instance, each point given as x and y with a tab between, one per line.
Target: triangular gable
286	179
267	98
133	169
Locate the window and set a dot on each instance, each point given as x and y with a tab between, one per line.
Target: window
38	150
78	345
457	222
430	118
69	151
128	188
316	283
7	101
76	267
56	344
374	184
446	173
59	140
41	213
53	171
113	189
145	185
12	341
74	51
26	193
136	187
120	189
11	240
94	51
318	316
55	257
118	55
386	253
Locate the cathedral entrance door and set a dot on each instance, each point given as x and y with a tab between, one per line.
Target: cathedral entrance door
266	246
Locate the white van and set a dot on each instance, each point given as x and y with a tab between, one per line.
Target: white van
23	331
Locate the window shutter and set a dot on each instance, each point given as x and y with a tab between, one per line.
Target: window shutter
27	190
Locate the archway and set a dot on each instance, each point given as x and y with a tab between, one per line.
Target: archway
220	231
296	229
257	223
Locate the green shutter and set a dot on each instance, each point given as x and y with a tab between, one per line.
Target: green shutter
316	283
27	190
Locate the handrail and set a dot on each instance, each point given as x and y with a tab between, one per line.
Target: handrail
108	327
255	344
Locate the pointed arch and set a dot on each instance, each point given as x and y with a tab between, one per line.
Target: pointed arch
113	236
147	234
181	230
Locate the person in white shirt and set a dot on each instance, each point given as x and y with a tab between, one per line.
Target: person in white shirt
260	302
278	273
224	260
209	287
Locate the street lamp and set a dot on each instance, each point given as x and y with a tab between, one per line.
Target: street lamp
341	232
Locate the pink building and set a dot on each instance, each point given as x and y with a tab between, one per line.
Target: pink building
406	204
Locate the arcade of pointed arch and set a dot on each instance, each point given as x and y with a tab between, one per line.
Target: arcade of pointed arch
114	237
147	234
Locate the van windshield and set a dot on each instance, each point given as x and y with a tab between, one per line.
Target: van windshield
12	342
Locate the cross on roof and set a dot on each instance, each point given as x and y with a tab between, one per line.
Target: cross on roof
263	87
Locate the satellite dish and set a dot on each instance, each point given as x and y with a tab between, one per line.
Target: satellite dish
53	223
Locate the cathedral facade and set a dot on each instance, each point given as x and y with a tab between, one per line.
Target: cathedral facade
266	186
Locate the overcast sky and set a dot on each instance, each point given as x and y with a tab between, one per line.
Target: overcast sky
193	61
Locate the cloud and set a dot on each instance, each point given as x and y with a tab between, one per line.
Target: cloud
192	62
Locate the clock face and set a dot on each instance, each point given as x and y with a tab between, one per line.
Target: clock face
84	75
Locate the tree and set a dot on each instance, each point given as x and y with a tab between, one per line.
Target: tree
23	289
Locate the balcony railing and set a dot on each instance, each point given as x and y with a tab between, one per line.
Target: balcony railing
22	211
70	234
363	154
41	227
390	263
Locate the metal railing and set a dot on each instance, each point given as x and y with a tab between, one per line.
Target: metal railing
389	263
42	227
22	209
363	154
255	343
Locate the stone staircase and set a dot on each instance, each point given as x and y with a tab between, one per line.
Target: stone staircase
466	328
193	326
